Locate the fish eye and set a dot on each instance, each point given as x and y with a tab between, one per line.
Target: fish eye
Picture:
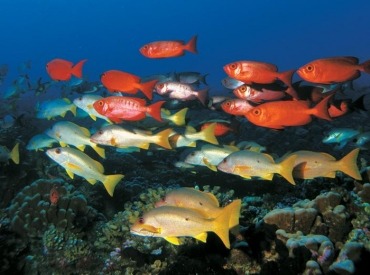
145	46
160	86
100	132
141	220
243	89
256	112
80	98
309	68
58	151
233	66
100	103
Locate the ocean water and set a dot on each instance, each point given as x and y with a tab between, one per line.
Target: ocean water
109	35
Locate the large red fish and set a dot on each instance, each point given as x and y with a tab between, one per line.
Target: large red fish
164	49
60	69
118	81
280	114
119	108
251	72
333	70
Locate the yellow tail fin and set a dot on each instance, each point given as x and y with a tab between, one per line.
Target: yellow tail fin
14	154
179	117
229	214
286	168
348	164
208	134
163	138
111	181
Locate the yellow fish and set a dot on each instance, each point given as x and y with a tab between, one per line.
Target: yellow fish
77	162
204	202
171	222
309	165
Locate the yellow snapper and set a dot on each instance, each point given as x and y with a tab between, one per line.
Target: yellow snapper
210	155
69	133
205	202
309	165
248	164
171	222
86	102
56	107
5	154
39	142
77	162
115	135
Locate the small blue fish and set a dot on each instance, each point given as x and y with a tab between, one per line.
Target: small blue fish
340	136
53	108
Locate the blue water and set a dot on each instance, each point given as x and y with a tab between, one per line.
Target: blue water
109	33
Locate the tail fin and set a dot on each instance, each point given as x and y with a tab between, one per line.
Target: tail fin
14	154
77	69
162	138
366	66
155	110
208	134
221	223
286	168
111	181
202	95
286	77
179	117
321	109
148	87
235	213
348	164
100	151
191	46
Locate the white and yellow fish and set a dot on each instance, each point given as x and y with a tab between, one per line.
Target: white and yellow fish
77	162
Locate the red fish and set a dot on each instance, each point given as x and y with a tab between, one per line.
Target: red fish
164	49
60	69
118	81
119	108
54	195
333	70
280	114
236	107
251	72
246	92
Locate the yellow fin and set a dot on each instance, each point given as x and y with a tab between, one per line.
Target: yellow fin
201	237
234	213
93	117
163	138
110	183
99	166
209	134
144	145
100	151
173	240
73	109
91	181
85	131
286	168
70	174
81	147
268	176
63	144
209	165
220	225
14	154
242	170
348	164
190	130
179	117
63	114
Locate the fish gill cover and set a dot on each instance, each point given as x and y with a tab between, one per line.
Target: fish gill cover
184	137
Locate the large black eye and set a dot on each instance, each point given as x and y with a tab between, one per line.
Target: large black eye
309	68
58	151
256	112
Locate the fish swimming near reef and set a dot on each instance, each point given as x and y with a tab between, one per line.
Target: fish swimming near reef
60	69
310	165
56	107
248	164
205	202
76	162
171	222
5	154
165	49
333	70
340	136
69	133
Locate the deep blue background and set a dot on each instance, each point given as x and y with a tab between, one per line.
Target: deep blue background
109	33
